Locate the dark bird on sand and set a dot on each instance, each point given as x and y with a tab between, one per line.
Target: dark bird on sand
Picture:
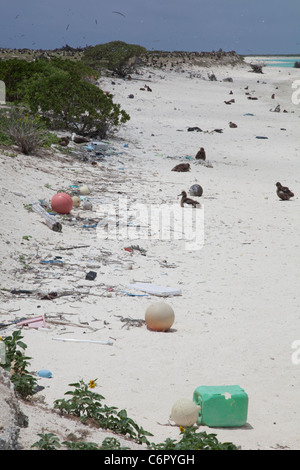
230	101
182	167
232	125
79	139
64	141
201	155
283	192
187	200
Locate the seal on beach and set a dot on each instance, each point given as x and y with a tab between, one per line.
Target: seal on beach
201	155
79	139
283	192
182	167
196	190
187	200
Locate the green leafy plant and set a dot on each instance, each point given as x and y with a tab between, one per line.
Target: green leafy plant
193	440
68	103
61	92
23	129
116	56
87	405
48	441
16	363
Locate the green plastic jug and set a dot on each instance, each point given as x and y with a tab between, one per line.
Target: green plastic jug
221	405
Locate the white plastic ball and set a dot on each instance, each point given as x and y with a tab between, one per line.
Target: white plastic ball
159	316
76	201
185	412
84	190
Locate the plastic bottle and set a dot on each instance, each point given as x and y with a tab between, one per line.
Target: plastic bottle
2	352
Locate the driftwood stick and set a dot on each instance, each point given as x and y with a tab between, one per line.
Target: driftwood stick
49	219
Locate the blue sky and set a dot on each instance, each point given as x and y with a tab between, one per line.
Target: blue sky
246	26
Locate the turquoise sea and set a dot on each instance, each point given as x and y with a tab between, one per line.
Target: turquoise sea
279	61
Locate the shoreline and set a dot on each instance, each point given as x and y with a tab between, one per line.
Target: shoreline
238	313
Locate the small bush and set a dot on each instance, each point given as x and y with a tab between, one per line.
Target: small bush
16	363
61	92
67	102
23	129
87	405
116	56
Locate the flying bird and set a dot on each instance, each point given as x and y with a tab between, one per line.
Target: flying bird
119	13
67	27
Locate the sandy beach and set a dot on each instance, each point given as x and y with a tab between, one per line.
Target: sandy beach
238	313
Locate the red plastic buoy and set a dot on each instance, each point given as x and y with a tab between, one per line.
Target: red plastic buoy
62	203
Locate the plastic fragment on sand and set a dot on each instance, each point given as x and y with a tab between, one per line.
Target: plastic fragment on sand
133	295
91	275
37	322
154	290
52	261
45	373
74	340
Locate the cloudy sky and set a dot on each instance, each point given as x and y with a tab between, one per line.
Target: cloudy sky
246	26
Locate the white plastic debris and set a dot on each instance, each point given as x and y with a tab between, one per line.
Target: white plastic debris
154	290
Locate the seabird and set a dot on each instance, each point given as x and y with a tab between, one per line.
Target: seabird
182	167
64	141
283	192
78	139
187	200
201	155
119	13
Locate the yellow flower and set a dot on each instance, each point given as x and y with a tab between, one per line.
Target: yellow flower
181	428
92	383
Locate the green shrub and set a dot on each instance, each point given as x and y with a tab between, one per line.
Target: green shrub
15	73
191	439
67	102
116	56
16	363
61	93
87	405
23	129
48	441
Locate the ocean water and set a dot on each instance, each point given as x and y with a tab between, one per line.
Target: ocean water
280	61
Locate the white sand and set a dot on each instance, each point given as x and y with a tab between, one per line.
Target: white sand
238	314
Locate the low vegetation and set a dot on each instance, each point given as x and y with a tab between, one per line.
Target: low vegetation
87	405
62	94
17	363
116	56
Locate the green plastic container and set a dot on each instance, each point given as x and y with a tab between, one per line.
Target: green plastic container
221	405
